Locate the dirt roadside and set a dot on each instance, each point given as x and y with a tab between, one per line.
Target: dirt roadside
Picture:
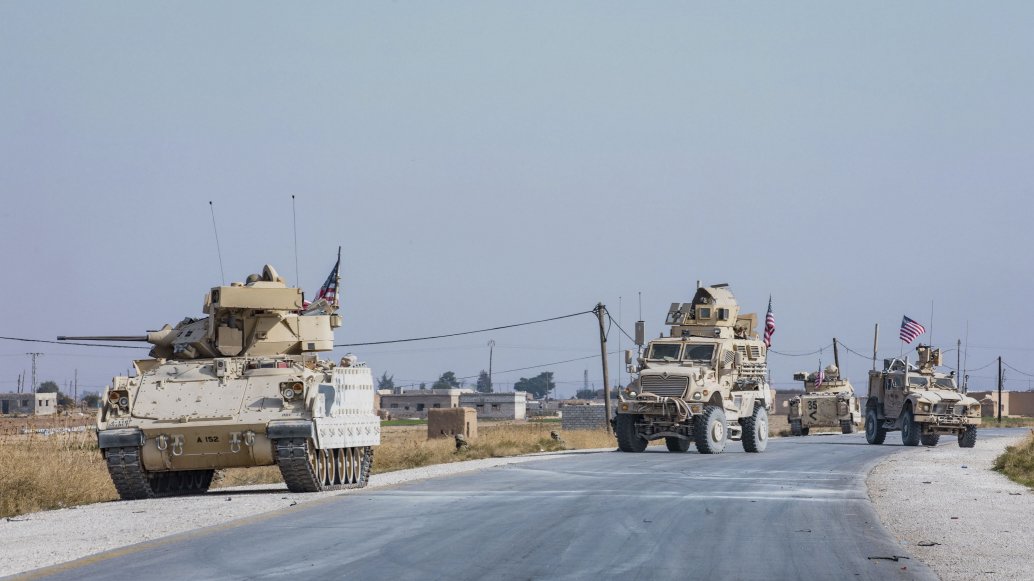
950	510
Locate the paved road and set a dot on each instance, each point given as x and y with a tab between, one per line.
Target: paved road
798	511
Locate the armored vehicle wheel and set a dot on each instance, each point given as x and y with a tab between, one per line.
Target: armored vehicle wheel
306	468
930	439
710	430
968	438
795	427
875	433
805	431
755	430
847	427
134	482
677	444
628	439
910	433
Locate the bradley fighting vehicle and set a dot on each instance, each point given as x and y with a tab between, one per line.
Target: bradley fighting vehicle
828	401
241	387
704	383
920	401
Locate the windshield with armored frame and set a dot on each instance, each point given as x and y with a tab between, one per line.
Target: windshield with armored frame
699	353
664	351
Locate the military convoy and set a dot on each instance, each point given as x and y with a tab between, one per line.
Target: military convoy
241	387
828	401
704	383
920	401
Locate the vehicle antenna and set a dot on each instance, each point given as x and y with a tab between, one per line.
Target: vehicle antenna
294	220
218	250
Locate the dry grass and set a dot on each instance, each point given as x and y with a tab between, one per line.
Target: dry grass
48	472
1017	462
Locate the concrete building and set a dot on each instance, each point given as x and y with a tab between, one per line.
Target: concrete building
415	403
497	406
1014	403
38	404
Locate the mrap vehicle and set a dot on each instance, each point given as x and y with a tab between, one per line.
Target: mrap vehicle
921	402
705	383
243	386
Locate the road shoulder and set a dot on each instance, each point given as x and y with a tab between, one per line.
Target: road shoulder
952	512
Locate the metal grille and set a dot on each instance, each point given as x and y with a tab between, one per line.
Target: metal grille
670	387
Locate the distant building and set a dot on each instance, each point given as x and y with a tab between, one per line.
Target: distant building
37	404
1014	403
415	403
497	406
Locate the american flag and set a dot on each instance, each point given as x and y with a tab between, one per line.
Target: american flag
769	324
910	330
820	376
329	289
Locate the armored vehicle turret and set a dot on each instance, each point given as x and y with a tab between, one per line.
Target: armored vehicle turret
920	401
828	401
703	383
242	387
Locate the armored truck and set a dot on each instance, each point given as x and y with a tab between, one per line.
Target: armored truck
705	382
921	402
828	401
243	386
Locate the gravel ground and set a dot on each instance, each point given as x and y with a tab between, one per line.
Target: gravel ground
954	513
41	539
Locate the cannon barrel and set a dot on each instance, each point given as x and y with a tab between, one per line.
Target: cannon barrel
104	338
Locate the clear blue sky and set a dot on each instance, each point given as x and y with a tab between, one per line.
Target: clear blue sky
484	163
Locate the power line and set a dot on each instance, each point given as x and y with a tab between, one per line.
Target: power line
819	350
620	328
531	366
430	337
1017	370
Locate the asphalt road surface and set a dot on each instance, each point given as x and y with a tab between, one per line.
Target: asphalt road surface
797	511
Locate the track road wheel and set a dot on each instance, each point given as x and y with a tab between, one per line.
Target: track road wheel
629	439
847	427
910	431
930	439
306	468
677	444
795	427
875	433
755	430
968	438
710	430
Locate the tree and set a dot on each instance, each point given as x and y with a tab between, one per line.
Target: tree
446	381
484	384
386	382
538	386
91	400
587	394
48	387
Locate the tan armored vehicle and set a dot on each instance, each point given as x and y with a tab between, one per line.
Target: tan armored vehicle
919	401
828	401
704	383
241	387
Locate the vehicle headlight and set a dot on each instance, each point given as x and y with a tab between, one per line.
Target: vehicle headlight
697	395
123	401
974	409
291	389
631	394
924	407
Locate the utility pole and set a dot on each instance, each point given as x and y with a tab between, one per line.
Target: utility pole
999	389
585	381
34	356
620	383
600	310
76	387
491	348
836	354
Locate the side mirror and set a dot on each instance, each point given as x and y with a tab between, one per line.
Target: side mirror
640	333
628	356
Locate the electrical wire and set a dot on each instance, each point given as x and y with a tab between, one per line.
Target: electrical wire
1017	370
620	328
527	368
430	337
819	350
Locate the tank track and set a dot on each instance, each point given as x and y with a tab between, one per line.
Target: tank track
134	482
292	456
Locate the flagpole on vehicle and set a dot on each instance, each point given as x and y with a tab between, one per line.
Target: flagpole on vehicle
337	280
